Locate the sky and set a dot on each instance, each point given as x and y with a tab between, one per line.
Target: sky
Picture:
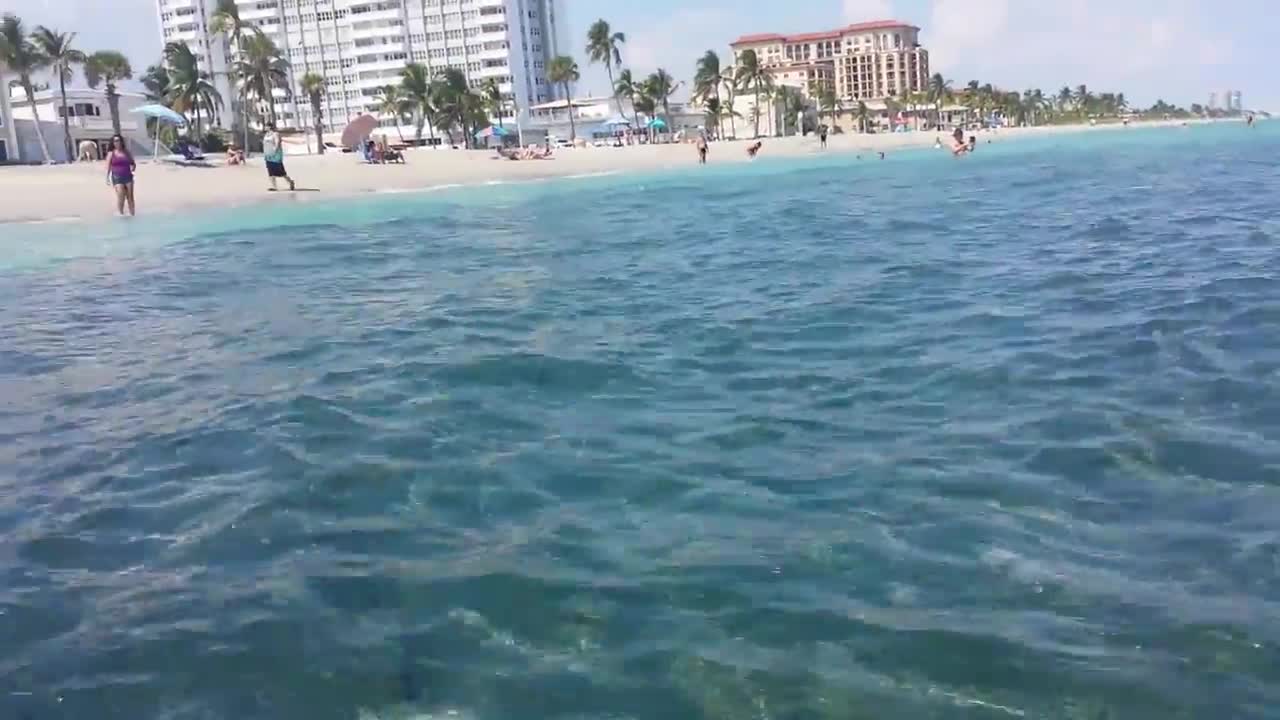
1175	50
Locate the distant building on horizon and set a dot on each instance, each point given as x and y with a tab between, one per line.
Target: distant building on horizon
1213	101
864	62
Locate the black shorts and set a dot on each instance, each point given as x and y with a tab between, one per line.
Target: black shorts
276	169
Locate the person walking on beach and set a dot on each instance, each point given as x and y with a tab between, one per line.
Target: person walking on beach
273	156
702	149
120	169
822	137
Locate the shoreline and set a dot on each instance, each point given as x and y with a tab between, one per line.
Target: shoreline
78	192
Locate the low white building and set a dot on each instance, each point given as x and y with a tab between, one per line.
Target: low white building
89	117
591	113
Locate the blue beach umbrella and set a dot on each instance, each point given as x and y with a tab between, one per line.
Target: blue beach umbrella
493	131
658	124
616	121
161	113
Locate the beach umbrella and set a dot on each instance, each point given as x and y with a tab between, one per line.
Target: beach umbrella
357	130
616	121
658	124
161	113
493	131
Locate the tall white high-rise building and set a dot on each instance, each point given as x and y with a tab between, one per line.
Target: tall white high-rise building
362	45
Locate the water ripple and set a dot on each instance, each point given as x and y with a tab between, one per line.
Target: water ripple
833	439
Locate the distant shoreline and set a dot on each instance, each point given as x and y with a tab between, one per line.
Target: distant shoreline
79	192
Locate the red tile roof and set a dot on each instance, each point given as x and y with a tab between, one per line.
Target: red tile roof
828	35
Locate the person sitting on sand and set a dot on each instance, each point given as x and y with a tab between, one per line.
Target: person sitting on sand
235	156
754	149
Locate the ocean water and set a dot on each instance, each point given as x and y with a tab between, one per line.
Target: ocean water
816	439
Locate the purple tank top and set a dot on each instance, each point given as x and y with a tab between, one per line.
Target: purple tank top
121	165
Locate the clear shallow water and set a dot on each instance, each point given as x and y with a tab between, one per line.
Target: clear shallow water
805	439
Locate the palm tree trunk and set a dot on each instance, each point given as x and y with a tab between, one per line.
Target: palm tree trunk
317	125
757	110
573	126
113	103
720	115
608	66
35	114
66	119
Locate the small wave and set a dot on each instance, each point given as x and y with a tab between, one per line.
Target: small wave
599	174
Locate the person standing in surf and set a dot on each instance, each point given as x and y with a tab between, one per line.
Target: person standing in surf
702	149
273	156
120	169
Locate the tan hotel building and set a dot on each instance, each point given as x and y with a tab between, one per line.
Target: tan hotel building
864	62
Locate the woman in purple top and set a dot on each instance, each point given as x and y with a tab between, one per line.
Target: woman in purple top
120	168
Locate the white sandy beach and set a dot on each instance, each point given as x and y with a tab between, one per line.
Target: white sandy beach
31	193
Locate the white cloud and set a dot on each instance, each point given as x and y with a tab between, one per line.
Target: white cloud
1145	48
856	11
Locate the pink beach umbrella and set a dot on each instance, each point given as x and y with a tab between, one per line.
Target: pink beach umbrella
357	130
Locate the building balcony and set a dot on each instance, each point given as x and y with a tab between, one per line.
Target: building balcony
372	53
255	15
385	34
376	15
381	65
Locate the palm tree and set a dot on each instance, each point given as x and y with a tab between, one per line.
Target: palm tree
706	81
261	70
23	58
647	104
312	85
1064	99
729	79
1033	101
1082	98
190	90
792	102
661	87
392	101
156	82
626	86
603	46
56	48
493	102
864	116
563	71
939	93
226	21
108	68
828	100
415	84
454	102
752	75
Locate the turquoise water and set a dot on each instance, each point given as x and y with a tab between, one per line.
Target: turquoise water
807	439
